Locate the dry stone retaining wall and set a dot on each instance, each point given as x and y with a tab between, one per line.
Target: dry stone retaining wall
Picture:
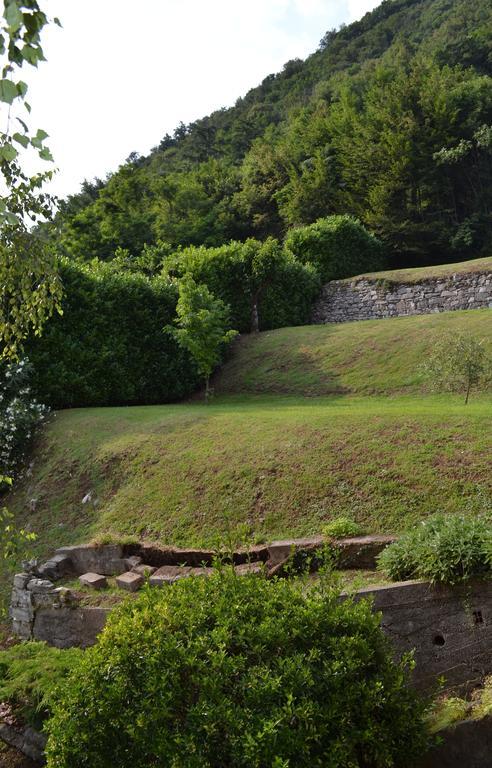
362	299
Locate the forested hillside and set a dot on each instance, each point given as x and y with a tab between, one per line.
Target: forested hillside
389	120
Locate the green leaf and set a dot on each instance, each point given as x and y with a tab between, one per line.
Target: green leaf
24	126
21	88
13	16
20	139
45	154
27	106
41	135
8	152
30	54
8	91
57	21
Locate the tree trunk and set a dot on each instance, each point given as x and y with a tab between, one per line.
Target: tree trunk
207	390
255	320
468	392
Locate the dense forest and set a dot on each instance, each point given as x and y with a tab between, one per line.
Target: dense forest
390	120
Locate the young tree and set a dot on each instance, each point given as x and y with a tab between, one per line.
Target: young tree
202	330
458	363
28	276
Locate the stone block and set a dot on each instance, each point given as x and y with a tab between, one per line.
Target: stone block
144	570
56	567
40	586
130	581
21	580
278	551
250	569
107	560
133	561
361	552
93	580
69	627
168	574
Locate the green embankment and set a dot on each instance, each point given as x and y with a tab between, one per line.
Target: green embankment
273	464
364	358
427	273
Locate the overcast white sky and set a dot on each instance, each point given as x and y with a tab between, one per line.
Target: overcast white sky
121	74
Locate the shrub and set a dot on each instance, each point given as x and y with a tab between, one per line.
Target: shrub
341	528
109	347
243	274
20	414
458	363
444	548
29	675
338	246
233	672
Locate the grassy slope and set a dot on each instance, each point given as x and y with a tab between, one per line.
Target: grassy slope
372	357
426	273
277	464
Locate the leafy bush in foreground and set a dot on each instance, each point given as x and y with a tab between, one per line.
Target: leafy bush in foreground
338	246
444	548
238	672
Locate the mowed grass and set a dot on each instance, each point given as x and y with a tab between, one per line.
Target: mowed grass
426	273
364	358
262	467
264	461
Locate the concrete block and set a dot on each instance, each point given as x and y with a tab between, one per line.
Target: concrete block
93	580
129	581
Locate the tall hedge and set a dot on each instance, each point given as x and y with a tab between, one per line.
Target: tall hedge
338	246
109	347
285	297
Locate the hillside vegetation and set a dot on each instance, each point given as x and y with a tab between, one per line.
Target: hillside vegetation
271	466
389	120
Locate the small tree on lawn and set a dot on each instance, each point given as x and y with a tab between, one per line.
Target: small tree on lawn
202	330
458	363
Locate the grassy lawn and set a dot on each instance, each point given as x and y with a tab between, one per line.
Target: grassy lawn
278	466
264	461
371	357
427	273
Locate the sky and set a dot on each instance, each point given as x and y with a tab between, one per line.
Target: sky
120	75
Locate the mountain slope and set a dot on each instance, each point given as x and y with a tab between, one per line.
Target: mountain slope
385	121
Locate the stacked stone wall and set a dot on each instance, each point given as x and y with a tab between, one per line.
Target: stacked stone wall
361	299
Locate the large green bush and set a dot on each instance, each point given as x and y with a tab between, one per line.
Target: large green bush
231	672
338	246
444	548
109	347
244	273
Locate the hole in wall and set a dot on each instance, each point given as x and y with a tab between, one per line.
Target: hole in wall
477	617
439	640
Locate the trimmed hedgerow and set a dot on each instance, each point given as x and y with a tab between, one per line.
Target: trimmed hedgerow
238	672
444	548
109	346
338	246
